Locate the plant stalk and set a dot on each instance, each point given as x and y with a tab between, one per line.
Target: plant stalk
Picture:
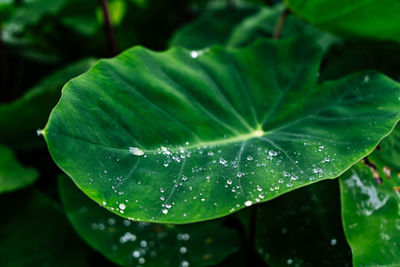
280	24
108	28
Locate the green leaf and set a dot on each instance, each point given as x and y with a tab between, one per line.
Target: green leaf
262	24
353	19
31	111
34	232
212	27
12	174
371	211
240	27
131	243
187	137
291	228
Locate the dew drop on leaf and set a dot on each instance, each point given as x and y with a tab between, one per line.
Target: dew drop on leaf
136	151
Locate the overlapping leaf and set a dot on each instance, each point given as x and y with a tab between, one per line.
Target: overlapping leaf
371	211
182	136
138	243
34	232
240	27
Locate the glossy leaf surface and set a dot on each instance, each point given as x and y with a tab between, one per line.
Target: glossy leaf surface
12	174
186	137
372	19
371	212
132	243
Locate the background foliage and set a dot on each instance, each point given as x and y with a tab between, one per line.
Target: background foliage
326	50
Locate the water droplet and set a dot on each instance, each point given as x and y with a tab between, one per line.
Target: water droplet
272	153
183	250
141	260
222	161
229	181
185	264
249	158
333	242
165	211
143	243
194	54
39	132
136	151
248	203
136	254
122	206
240	174
317	170
127	237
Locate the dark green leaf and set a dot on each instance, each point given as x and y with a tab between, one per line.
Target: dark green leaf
240	27
20	119
186	137
291	228
34	232
12	174
262	24
213	27
372	19
131	243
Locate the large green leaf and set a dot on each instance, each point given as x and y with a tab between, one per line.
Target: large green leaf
132	243
291	228
12	174
20	119
34	232
372	19
371	212
181	137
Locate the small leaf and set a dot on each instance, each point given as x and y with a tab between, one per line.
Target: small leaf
371	211
12	174
352	19
219	131
139	243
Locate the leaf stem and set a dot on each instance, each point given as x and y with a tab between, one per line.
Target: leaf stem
280	24
108	28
